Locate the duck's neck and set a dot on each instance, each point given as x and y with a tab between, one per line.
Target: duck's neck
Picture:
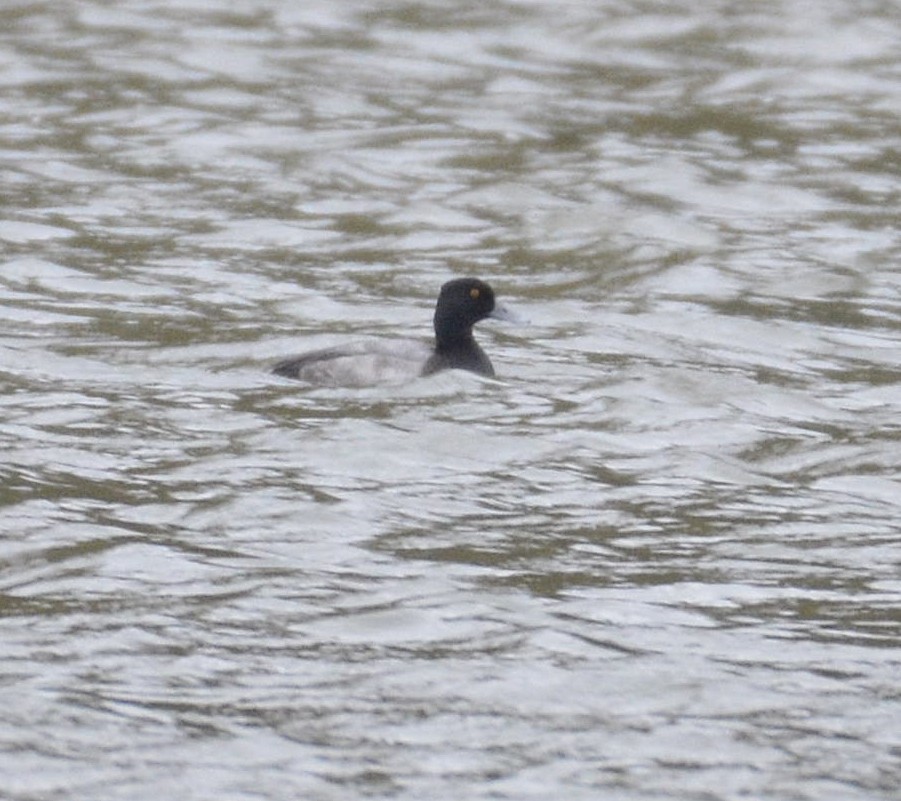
448	342
459	353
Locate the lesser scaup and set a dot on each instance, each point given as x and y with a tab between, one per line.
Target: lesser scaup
461	304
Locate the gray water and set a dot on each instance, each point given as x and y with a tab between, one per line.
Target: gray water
657	558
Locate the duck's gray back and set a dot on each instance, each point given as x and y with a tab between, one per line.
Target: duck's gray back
360	364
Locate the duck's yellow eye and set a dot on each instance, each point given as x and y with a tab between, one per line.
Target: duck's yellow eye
474	293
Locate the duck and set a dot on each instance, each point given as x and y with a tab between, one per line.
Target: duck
462	302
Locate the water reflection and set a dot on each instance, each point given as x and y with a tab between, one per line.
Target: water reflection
657	557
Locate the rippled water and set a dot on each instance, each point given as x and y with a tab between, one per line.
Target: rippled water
659	557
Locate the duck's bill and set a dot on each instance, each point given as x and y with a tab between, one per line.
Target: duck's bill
506	314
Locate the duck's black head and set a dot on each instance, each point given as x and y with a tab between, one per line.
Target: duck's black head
461	304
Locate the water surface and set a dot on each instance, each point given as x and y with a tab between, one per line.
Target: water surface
658	557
